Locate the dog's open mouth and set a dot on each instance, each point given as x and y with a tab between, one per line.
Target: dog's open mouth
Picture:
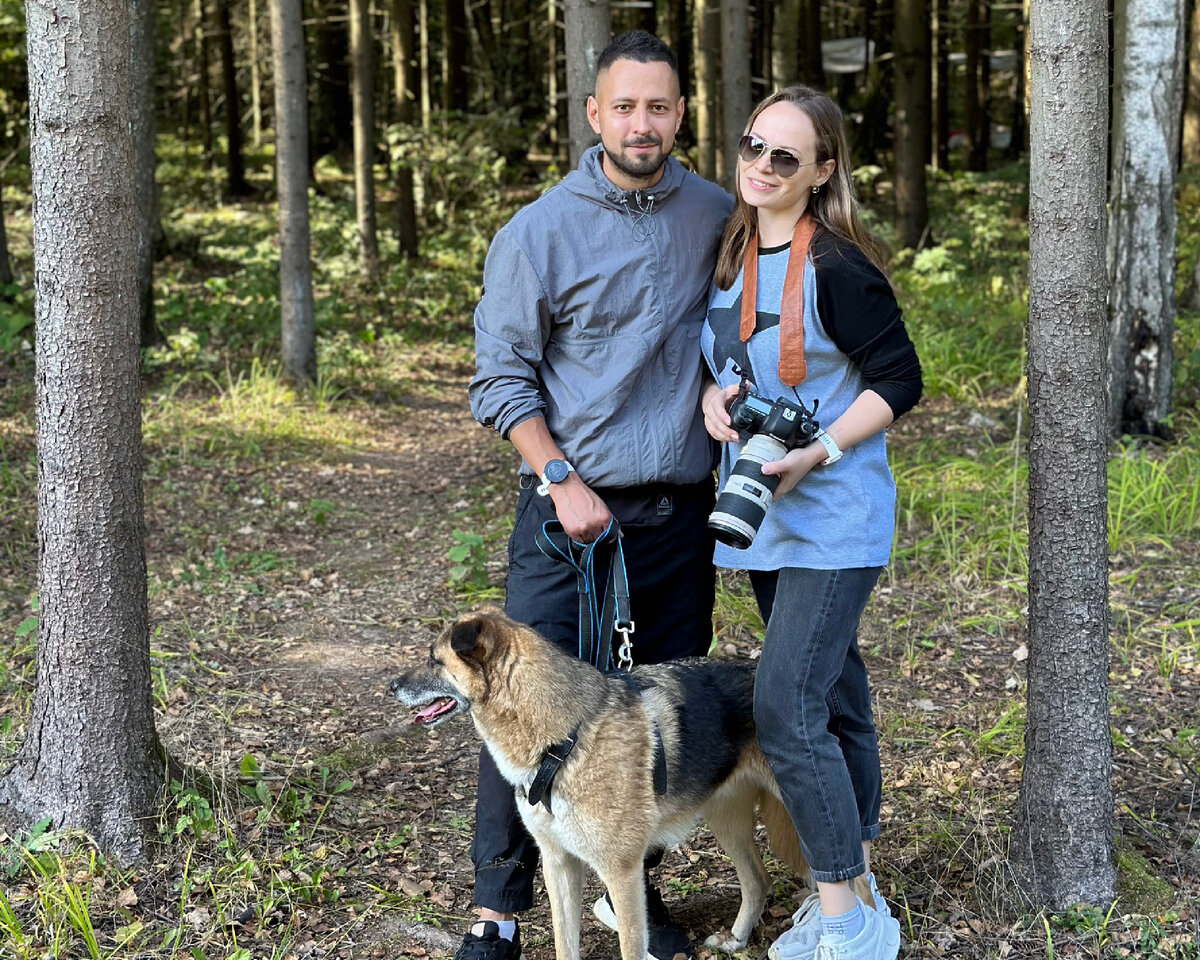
440	709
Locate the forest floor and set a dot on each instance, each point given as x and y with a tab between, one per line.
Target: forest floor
288	590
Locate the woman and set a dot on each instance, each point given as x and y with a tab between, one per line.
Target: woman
820	325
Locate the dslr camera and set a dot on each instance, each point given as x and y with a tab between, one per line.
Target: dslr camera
777	428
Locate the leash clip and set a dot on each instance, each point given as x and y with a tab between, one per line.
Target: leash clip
625	651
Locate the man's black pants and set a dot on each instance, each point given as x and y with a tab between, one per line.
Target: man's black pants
668	556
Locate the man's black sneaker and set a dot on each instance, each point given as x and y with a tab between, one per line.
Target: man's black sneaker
489	945
666	940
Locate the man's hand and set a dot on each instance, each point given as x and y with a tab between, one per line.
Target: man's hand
583	515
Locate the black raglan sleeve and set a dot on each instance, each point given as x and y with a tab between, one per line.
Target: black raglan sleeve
859	312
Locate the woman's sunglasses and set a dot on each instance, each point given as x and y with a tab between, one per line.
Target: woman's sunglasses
784	163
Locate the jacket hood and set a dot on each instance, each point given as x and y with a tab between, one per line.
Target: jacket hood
588	180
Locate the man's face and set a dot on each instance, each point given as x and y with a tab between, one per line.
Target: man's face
637	111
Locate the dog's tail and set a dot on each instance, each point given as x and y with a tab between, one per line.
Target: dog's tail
781	835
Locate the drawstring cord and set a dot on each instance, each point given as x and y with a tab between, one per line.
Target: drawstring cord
643	220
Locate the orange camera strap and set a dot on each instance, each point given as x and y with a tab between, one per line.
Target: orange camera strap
792	368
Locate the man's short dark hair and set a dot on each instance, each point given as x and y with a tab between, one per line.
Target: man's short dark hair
640	46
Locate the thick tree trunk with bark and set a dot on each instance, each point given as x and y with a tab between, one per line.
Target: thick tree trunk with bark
291	183
706	55
735	83
91	758
911	125
587	27
1141	230
235	164
404	67
1062	845
361	57
141	27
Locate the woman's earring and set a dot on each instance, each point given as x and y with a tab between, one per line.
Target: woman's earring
816	189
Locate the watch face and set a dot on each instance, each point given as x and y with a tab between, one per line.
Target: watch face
556	471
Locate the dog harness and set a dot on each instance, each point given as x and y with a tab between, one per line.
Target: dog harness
556	756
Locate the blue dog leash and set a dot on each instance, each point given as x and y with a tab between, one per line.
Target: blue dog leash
600	614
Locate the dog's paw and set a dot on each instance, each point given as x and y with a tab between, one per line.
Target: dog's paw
725	944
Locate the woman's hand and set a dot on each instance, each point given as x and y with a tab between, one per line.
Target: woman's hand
715	404
794	466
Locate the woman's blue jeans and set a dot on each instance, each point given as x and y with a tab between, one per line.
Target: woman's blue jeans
812	711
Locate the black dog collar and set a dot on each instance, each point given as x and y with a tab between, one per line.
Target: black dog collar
552	759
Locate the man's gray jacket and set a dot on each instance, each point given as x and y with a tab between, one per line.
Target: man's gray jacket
591	312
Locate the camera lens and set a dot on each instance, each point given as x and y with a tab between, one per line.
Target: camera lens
744	499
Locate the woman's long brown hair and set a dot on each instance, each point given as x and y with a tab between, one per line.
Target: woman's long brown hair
834	207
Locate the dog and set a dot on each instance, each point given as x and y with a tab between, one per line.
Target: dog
609	768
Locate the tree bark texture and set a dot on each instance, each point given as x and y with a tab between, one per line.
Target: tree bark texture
404	67
361	57
587	26
735	83
1062	844
911	121
1141	231
1191	112
785	43
235	164
706	55
255	73
91	758
291	186
141	28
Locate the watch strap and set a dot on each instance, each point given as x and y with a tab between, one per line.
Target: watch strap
831	448
543	488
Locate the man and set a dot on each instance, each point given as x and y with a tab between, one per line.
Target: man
587	358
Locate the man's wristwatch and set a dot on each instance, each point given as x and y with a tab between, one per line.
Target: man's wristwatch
555	471
831	448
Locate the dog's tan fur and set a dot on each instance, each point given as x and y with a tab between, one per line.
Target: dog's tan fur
525	695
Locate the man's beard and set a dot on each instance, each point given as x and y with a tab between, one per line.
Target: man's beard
642	168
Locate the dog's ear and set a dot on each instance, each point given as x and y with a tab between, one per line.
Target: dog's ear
464	635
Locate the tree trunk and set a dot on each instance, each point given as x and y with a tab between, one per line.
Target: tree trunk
363	86
203	90
785	43
1191	113
587	28
255	74
1017	144
455	57
1141	228
405	81
706	55
331	121
6	274
552	87
1062	844
940	114
91	758
812	66
974	107
141	25
291	186
735	83
911	125
426	77
235	165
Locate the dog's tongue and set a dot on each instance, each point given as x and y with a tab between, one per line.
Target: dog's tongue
434	710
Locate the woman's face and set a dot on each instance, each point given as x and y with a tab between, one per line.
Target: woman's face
782	126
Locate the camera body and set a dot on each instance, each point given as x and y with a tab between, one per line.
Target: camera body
777	427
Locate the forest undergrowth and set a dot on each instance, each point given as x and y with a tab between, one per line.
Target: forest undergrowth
303	547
